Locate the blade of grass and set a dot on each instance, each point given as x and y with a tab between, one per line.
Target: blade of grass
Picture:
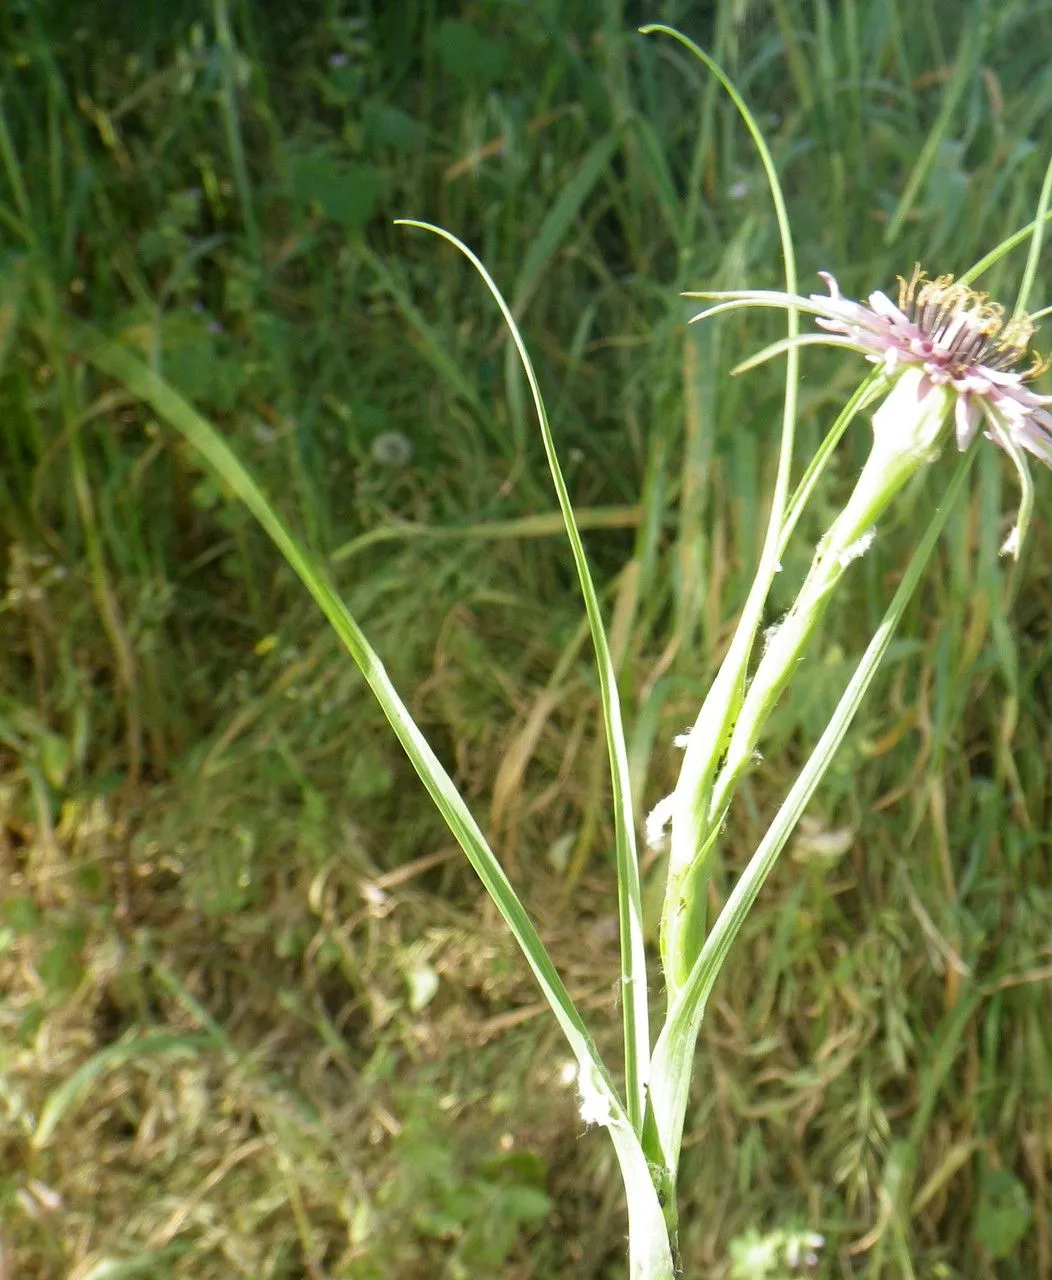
701	353
1006	246
650	1254
634	1002
1033	259
232	125
655	165
148	1263
12	295
431	343
72	1090
900	1173
13	171
542	525
683	921
967	56
795	60
545	244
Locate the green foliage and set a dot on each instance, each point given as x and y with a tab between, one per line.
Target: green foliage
471	58
479	1214
1004	1215
201	817
343	191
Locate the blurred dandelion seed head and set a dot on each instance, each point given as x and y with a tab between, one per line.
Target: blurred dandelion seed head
392	449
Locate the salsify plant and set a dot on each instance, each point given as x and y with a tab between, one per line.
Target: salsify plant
947	363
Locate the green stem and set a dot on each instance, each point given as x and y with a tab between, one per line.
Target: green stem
674	1051
907	432
846	540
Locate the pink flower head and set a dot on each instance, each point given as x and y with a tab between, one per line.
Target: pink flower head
960	339
964	354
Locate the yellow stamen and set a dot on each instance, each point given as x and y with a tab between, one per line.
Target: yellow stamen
971	327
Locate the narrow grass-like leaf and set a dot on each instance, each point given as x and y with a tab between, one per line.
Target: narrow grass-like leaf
655	164
72	1091
146	1263
634	1002
901	1169
228	96
701	352
542	525
1033	259
803	79
176	411
12	294
1006	246
650	1253
783	344
13	170
683	921
967	55
433	348
674	1051
559	219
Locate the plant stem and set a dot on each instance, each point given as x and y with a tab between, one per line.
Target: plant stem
907	434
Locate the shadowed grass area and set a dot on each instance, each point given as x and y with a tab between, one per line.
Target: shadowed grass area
257	1019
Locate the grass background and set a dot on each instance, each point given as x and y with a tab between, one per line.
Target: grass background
257	1019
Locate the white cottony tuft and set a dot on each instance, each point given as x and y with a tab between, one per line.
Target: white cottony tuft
857	548
1011	544
595	1105
658	820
